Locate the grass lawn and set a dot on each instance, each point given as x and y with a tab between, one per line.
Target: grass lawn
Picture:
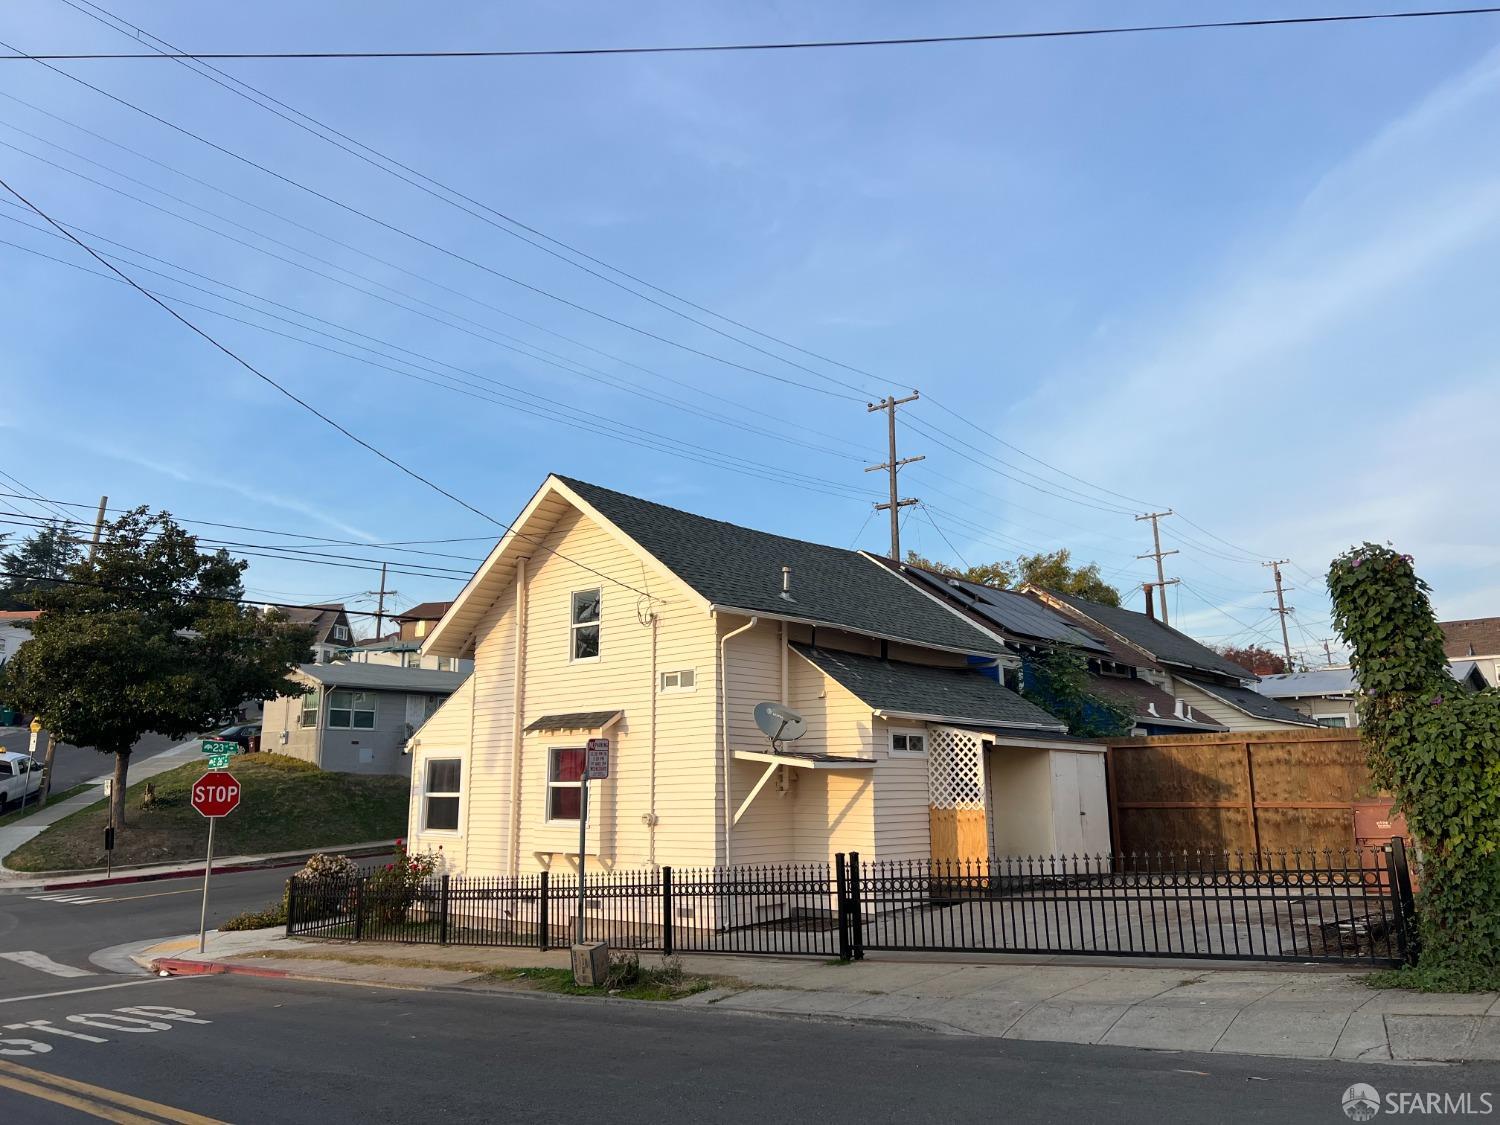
286	805
32	806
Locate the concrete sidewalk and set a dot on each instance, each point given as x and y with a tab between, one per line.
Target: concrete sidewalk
1283	1011
66	880
12	836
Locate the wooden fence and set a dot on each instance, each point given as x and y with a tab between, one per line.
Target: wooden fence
1246	791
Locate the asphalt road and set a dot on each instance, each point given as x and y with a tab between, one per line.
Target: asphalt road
289	1052
74	764
67	933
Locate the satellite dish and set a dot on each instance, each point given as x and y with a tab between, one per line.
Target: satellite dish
779	723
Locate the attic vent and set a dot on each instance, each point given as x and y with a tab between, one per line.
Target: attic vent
786	584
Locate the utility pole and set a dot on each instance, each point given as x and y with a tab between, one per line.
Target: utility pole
380	605
1327	642
892	465
98	526
1158	554
1282	609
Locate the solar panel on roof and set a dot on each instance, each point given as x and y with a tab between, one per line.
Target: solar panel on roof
1015	613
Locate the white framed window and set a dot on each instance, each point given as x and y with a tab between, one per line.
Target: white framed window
908	742
682	679
419	629
309	714
583	625
441	794
447	664
339	632
351	710
565	783
1333	720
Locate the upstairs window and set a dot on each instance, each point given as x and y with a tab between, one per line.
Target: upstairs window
339	632
908	744
351	710
683	679
584	625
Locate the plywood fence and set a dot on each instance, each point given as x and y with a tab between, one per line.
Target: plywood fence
1250	791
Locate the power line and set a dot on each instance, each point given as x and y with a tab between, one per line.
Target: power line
794	45
429	244
425	183
361	442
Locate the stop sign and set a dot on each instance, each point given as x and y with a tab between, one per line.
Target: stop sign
216	793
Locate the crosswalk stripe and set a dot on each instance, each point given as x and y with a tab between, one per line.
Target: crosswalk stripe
34	960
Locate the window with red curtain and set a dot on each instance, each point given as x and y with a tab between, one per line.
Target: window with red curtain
564	784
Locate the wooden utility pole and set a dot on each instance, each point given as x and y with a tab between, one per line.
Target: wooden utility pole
1327	643
1158	554
1282	609
380	605
892	465
98	526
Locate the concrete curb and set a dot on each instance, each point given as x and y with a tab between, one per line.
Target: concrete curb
154	873
181	967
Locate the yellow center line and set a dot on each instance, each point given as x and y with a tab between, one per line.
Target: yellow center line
65	1091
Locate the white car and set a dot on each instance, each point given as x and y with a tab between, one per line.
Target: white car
19	777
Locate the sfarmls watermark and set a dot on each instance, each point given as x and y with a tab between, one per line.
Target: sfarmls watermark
1362	1102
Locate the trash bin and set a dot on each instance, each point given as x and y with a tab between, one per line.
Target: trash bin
254	747
7	716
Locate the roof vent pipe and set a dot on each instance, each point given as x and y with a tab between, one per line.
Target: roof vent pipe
1178	712
1150	601
786	584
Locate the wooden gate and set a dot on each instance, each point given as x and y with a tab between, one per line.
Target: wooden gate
1245	791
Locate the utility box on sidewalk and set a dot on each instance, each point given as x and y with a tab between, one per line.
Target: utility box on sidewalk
590	963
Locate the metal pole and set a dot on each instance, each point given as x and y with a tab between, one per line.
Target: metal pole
380	605
583	820
30	769
208	867
109	853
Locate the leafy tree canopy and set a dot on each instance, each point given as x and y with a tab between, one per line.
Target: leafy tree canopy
36	563
1051	570
1257	658
1056	680
148	635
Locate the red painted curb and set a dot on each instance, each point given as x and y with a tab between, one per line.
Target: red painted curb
179	967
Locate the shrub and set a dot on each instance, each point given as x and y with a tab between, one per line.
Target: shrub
257	919
391	890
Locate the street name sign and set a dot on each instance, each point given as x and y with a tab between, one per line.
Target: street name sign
220	746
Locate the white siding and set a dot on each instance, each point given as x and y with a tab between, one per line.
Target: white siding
1204	704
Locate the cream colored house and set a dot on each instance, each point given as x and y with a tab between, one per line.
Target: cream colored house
600	615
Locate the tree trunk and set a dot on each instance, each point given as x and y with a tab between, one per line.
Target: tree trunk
47	770
117	790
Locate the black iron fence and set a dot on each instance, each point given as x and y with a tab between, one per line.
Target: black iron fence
1353	906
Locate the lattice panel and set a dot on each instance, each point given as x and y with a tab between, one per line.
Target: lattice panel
955	769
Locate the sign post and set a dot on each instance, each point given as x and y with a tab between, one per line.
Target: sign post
215	794
36	729
589	963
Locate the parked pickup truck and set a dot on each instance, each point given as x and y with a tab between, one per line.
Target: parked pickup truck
19	777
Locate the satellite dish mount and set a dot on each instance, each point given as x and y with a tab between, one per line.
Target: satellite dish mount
779	723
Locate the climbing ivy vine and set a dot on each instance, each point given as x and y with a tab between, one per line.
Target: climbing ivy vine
1436	747
1056	680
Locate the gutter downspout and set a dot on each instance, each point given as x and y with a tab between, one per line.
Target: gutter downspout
517	709
724	728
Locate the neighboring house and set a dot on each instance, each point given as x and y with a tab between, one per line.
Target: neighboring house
403	648
330	625
1325	695
1213	688
1474	642
600	615
15	630
357	718
1026	624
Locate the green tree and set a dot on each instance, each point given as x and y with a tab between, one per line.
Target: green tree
1437	748
1057	681
148	635
36	563
1050	570
1255	658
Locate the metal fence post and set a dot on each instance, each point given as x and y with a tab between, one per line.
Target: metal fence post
841	898
291	903
856	911
666	912
1403	901
542	922
443	912
359	909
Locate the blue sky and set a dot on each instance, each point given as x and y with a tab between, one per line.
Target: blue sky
1245	274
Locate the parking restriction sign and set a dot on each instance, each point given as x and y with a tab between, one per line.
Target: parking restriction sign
597	766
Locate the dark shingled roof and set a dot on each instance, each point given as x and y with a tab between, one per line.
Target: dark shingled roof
384	677
573	720
956	695
1252	703
1479	636
1161	641
737	568
1140	694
